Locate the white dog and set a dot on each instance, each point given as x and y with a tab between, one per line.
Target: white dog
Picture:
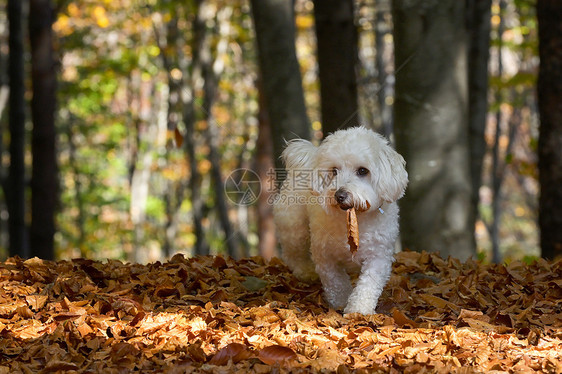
357	168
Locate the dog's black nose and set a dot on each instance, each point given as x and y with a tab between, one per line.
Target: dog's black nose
341	196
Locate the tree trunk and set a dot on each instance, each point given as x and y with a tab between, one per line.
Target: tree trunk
479	12
44	182
496	175
211	136
211	75
549	88
431	125
139	199
175	190
267	246
282	84
201	247
336	36
381	63
146	132
81	242
16	180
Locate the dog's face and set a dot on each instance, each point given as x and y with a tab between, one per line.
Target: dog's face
357	168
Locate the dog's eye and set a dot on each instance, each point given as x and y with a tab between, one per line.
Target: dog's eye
334	171
362	171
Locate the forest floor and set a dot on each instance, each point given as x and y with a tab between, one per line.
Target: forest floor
217	315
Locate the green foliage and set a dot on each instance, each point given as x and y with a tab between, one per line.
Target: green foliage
512	101
530	260
113	99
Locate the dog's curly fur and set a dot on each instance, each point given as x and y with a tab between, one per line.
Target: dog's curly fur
355	167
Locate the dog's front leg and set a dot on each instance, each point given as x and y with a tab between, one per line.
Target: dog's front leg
374	275
336	284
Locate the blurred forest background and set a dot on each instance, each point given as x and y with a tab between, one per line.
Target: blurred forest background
121	120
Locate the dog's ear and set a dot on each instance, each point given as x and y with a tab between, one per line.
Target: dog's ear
298	154
392	177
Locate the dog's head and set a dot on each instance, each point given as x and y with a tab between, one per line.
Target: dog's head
357	167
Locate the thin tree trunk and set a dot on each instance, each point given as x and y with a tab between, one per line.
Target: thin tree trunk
139	199
381	29
201	247
78	188
267	247
174	193
550	139
133	137
143	130
211	79
478	14
4	229
494	226
496	191
431	129
140	180
498	177
336	36
44	180
282	85
211	136
134	140
16	180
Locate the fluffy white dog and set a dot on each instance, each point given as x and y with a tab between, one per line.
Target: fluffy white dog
352	168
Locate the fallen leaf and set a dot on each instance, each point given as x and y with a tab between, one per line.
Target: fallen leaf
56	366
36	302
434	315
276	354
401	319
233	351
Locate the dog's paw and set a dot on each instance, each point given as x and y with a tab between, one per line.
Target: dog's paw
337	298
359	308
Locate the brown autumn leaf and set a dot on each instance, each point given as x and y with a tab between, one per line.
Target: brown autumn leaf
57	366
36	302
276	354
437	302
178	138
196	352
401	319
352	230
172	317
233	351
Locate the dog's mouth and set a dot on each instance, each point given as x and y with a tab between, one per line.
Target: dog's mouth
345	206
344	200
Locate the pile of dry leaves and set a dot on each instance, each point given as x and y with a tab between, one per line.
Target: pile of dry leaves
212	314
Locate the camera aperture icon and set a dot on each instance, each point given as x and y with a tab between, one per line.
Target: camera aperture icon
242	187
